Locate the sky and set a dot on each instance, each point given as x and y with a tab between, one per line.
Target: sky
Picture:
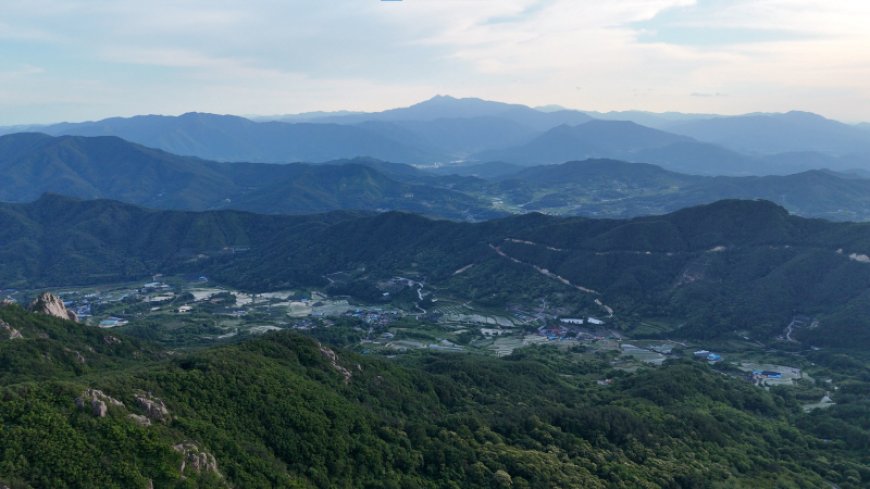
74	60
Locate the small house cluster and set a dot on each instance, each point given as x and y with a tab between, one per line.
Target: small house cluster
766	374
576	328
708	356
580	321
375	317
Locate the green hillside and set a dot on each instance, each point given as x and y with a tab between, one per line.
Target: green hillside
282	411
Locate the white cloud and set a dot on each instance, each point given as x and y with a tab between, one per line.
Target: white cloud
293	55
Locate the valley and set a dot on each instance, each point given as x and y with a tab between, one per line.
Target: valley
192	312
276	245
705	271
713	343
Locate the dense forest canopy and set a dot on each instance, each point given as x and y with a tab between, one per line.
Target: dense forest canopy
284	411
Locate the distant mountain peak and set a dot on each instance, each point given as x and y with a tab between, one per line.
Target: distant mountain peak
440	98
209	116
449	101
804	116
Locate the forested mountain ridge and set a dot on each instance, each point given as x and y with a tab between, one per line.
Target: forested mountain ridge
732	265
108	167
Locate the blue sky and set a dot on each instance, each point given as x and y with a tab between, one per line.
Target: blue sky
89	59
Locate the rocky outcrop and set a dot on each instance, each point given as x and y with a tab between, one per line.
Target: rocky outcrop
196	460
154	407
13	333
77	354
99	408
111	340
139	419
97	402
333	360
50	304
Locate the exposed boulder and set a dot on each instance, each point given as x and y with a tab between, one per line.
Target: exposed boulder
13	333
139	419
111	340
99	408
97	402
196	460
50	304
154	407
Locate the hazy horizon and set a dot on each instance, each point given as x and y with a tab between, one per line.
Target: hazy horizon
549	107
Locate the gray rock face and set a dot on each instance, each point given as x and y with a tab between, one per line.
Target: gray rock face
196	460
99	408
139	419
333	360
97	402
111	340
50	304
155	409
13	333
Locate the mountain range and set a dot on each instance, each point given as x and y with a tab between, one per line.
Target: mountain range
778	133
446	107
449	130
456	294
111	168
231	138
711	270
633	142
